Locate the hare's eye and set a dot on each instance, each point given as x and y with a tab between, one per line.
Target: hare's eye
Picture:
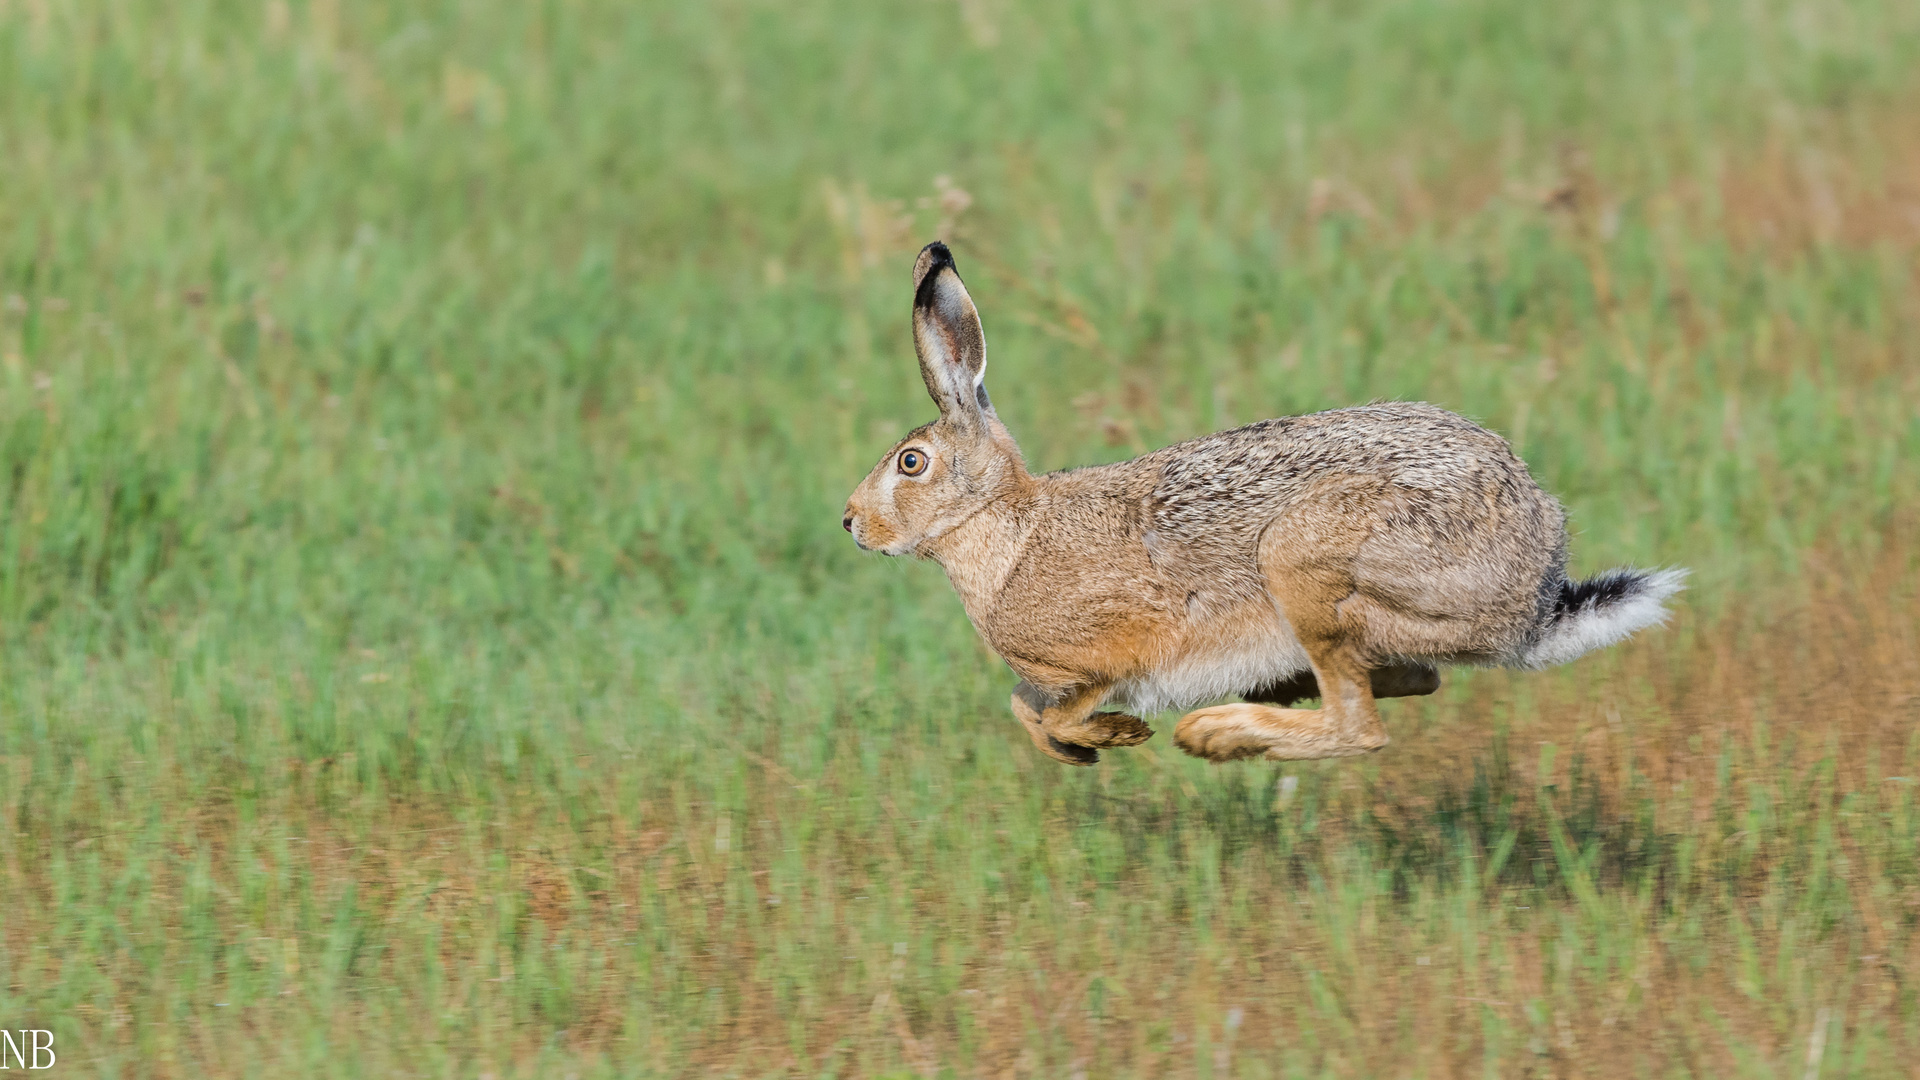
913	462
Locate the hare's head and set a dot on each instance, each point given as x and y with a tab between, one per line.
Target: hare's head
947	471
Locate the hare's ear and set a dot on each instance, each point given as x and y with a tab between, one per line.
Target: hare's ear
948	337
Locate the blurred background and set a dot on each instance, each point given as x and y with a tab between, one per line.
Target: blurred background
428	645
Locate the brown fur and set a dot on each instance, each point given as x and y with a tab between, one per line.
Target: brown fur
1341	555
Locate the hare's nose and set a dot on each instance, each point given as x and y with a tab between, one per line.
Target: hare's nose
847	523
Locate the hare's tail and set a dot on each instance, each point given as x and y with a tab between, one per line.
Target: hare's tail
1591	614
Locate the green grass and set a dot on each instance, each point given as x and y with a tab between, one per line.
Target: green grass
427	644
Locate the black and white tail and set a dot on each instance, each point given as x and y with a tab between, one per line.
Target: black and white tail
1599	611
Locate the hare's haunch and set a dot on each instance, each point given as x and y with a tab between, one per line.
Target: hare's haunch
1343	555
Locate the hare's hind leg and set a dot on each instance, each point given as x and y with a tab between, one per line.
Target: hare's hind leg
1067	729
1345	725
1308	567
1399	680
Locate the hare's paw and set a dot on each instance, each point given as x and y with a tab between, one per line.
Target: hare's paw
1233	732
1065	753
1225	732
1029	718
1404	680
1111	729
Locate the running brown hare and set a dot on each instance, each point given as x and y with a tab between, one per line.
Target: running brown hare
1343	555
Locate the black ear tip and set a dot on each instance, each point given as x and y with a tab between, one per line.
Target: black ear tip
932	257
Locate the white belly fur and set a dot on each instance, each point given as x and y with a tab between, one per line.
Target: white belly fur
1207	674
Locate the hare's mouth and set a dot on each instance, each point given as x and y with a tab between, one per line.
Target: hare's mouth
847	522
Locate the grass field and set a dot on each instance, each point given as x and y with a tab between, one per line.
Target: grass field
428	646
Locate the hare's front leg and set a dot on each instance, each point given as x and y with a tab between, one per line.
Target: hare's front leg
1067	729
1307	574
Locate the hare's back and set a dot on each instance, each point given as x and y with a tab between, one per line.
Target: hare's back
1448	477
